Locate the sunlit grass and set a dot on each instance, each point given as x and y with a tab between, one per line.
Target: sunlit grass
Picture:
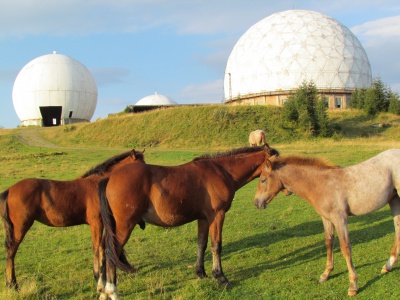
277	253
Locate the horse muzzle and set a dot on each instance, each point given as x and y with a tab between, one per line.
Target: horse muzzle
260	204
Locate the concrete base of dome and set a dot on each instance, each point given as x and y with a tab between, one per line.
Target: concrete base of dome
39	122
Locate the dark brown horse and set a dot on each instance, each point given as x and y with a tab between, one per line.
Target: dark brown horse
202	190
59	204
336	193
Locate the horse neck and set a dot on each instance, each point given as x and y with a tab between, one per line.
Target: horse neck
121	163
302	180
104	173
243	168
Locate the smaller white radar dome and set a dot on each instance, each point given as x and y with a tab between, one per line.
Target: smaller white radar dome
155	99
54	89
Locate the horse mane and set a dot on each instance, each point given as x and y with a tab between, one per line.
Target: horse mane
304	161
106	165
232	152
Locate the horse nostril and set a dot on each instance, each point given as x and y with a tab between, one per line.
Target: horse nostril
259	204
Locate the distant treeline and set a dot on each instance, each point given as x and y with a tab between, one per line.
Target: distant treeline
377	98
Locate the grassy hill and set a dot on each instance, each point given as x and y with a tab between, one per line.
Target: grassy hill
213	126
277	253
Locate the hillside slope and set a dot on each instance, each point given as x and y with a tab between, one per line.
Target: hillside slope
215	126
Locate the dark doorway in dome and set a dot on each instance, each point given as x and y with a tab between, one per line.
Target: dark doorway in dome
51	115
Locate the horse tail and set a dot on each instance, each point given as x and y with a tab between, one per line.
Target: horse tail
8	225
263	138
107	217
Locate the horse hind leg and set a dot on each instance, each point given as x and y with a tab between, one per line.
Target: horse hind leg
394	254
202	237
13	240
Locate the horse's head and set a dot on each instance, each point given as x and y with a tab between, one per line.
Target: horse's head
269	185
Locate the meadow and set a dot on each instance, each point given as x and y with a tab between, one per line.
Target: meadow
276	253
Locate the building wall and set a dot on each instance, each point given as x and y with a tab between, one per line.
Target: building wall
335	99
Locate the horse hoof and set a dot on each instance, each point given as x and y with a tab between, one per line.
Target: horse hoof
352	293
225	283
103	296
323	278
12	286
384	270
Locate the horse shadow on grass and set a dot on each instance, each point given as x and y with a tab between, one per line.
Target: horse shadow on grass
375	225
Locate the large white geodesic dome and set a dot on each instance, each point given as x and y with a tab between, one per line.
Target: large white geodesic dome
54	89
284	50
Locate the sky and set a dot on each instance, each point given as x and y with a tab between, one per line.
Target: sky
177	48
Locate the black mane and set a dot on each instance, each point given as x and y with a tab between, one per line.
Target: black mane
231	152
105	166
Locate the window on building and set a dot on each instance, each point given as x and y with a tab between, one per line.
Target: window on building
338	101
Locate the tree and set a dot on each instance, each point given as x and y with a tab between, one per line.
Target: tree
372	100
307	110
357	98
394	103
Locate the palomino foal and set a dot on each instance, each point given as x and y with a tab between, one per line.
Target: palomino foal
336	193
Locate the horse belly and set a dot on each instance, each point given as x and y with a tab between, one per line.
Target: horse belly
166	219
369	201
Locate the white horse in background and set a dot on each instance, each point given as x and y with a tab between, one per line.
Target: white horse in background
256	138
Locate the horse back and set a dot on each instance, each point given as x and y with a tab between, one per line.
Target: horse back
51	202
373	183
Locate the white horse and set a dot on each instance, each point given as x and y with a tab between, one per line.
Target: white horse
336	193
256	138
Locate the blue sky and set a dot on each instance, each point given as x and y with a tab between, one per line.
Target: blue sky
178	48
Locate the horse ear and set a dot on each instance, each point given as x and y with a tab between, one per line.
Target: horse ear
268	165
133	153
270	151
144	150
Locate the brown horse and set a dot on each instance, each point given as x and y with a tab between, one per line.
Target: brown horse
336	193
59	204
256	138
202	190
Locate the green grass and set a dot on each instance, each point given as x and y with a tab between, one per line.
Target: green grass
277	253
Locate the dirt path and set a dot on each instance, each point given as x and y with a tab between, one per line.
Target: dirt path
31	136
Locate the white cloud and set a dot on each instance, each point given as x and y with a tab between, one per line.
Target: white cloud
380	39
377	29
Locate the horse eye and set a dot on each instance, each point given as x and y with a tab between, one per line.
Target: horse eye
263	180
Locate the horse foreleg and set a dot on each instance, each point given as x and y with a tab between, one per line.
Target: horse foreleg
329	231
394	254
202	238
216	247
343	233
